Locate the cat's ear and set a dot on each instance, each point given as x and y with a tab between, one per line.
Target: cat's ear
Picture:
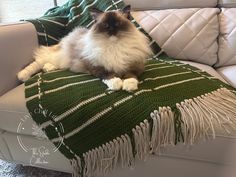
126	11
95	13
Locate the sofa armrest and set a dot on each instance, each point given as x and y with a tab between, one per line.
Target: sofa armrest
17	43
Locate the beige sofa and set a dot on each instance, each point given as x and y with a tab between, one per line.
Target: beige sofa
201	33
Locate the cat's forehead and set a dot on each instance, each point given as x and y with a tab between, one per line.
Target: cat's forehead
115	15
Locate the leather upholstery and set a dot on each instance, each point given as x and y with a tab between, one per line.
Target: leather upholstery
205	68
227	3
227	38
186	34
17	42
170	4
13	109
229	74
14	152
206	159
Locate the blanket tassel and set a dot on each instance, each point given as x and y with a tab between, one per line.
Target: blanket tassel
76	165
200	118
104	159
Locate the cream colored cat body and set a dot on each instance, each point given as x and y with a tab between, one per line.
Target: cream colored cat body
113	49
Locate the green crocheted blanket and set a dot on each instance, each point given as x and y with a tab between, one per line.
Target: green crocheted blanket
96	129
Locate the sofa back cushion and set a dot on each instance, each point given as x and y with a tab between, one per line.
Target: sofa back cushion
227	38
170	4
186	34
17	42
227	3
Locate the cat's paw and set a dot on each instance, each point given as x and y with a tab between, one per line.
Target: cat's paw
114	83
49	67
130	84
23	75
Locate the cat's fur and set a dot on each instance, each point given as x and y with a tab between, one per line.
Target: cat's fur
113	49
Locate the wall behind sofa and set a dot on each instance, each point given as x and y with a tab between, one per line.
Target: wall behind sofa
15	10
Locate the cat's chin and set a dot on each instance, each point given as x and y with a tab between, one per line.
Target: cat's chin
113	38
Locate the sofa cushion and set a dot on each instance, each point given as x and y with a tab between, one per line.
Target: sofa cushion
167	4
227	38
221	151
229	74
227	3
22	153
186	34
205	68
13	111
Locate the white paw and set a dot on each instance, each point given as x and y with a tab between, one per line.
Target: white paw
114	83
130	84
49	67
23	75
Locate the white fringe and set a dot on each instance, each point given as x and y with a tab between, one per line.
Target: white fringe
76	165
163	130
201	118
102	160
142	138
204	116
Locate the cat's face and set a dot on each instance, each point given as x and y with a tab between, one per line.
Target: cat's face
112	23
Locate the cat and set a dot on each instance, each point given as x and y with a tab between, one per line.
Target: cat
113	49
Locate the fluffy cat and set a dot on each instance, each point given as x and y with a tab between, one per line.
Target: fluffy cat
113	50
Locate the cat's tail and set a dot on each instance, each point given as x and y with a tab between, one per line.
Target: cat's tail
29	70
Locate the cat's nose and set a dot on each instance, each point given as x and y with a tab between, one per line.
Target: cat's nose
111	27
112	32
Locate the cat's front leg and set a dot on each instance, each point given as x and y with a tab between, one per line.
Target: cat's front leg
114	83
109	78
130	82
